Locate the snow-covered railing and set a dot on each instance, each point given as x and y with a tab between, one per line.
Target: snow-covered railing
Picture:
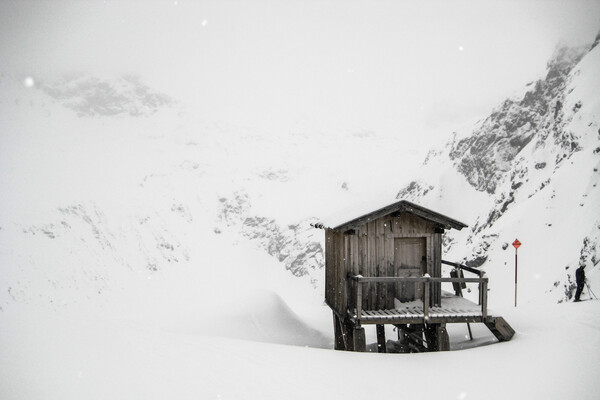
426	281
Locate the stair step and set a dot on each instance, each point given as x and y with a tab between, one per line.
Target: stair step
500	328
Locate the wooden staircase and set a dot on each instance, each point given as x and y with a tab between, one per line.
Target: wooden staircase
500	328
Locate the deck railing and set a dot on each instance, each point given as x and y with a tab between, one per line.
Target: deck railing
475	271
426	282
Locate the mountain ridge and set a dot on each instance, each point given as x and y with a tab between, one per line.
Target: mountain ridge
524	152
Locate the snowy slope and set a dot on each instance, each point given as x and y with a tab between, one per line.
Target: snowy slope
527	171
106	180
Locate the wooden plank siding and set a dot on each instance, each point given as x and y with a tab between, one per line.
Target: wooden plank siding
381	263
436	262
369	251
389	260
341	273
335	274
371	269
330	270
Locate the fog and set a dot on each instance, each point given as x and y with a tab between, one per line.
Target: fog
389	67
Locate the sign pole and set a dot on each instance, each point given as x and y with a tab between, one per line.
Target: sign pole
516	244
516	275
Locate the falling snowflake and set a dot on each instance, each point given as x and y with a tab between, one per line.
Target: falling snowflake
28	82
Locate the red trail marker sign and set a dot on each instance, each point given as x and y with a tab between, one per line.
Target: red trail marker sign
516	244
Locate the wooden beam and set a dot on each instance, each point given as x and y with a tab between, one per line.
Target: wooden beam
338	330
396	279
381	338
426	300
437	338
358	303
360	341
484	296
348	335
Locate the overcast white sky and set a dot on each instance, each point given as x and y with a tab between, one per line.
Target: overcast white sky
393	67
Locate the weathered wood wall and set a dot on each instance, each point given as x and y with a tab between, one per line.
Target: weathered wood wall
335	273
370	251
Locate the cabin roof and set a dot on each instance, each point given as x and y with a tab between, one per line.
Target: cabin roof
352	219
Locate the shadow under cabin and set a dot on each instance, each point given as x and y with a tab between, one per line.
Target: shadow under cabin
385	267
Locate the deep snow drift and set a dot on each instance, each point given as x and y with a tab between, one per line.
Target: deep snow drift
553	356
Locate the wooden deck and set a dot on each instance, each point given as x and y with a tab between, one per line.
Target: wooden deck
417	316
424	319
452	308
421	322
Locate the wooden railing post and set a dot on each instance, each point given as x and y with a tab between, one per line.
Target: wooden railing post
358	301
483	286
426	299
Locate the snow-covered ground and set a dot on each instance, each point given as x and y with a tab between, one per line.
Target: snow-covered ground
149	252
53	356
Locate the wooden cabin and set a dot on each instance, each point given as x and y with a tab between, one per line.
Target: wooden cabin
385	267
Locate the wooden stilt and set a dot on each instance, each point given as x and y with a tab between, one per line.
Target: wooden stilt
437	337
442	338
430	337
359	339
381	339
338	330
400	329
347	336
348	331
413	337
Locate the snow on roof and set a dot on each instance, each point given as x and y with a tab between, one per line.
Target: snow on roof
364	212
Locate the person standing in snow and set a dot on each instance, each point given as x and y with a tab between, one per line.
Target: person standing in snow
580	280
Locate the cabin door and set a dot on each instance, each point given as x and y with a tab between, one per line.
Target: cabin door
409	261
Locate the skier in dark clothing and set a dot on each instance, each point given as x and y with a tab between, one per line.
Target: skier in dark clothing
580	280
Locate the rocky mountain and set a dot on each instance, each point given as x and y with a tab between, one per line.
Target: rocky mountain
529	169
487	154
92	96
293	245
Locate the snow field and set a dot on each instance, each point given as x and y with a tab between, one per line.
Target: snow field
60	357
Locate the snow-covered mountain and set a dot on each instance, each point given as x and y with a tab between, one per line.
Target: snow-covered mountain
105	177
89	96
107	182
529	170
